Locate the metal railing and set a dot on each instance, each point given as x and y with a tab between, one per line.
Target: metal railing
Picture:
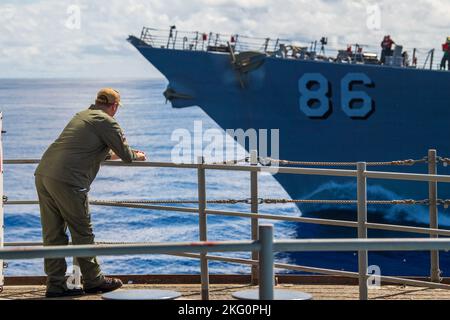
208	41
361	174
200	41
265	246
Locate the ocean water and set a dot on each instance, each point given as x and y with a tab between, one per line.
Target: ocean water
34	113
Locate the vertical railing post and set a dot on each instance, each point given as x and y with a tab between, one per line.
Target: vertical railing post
196	41
170	36
209	40
203	230
175	40
266	265
362	229
2	201
217	40
435	273
432	59
254	209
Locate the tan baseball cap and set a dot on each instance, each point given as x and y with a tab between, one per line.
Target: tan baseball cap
108	96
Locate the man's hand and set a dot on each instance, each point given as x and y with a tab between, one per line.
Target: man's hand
140	155
114	157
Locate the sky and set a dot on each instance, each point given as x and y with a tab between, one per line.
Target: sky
86	39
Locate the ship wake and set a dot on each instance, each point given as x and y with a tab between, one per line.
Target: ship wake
400	214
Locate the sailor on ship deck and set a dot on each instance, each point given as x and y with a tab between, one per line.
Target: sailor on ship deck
446	58
63	180
386	46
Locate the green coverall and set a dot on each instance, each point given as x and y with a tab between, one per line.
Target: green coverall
63	180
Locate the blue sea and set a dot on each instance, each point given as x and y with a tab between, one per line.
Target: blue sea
35	111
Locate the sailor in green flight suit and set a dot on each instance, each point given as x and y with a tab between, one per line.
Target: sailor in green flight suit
63	179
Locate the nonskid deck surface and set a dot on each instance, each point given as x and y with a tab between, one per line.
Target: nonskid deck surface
224	292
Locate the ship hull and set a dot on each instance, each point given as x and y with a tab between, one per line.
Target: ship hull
408	113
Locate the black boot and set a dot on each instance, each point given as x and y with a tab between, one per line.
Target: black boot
66	293
108	285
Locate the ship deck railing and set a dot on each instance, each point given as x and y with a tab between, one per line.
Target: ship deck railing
361	174
200	41
362	225
265	246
